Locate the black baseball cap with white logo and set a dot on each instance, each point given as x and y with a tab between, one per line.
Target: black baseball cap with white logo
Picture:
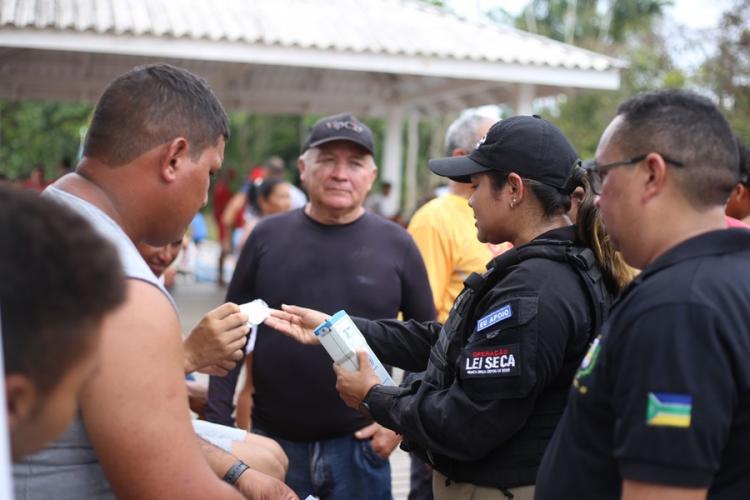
341	127
527	145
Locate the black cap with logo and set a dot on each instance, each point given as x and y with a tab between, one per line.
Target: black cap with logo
341	127
527	145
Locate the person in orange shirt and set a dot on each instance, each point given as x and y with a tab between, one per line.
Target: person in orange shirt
443	228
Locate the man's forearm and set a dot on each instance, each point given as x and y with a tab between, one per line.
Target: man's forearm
219	460
188	362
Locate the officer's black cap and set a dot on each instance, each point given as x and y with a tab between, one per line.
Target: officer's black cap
527	145
341	127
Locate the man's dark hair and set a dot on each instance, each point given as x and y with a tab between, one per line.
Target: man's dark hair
58	278
151	105
688	128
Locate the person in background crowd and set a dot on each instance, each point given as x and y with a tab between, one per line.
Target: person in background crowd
738	206
660	407
36	180
244	205
377	202
265	197
276	169
330	254
222	193
60	279
443	228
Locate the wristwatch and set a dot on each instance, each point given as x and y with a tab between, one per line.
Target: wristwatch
364	406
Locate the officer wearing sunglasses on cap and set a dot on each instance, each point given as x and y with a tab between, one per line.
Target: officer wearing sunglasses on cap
497	373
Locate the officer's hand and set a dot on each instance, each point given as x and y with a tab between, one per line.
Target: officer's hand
217	339
354	386
384	440
297	323
255	485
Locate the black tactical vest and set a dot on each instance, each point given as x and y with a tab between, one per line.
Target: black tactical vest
516	462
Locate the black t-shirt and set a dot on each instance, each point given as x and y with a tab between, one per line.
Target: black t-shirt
663	396
370	268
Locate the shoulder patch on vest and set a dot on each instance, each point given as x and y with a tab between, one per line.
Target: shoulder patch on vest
495	317
502	361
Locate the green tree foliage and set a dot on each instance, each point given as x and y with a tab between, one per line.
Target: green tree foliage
590	23
39	133
727	73
44	133
626	29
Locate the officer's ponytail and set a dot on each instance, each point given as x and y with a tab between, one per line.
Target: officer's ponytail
590	228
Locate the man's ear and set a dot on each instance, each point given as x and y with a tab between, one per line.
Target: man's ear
373	176
736	194
22	397
654	176
177	151
742	192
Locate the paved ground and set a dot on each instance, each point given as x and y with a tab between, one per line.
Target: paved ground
195	299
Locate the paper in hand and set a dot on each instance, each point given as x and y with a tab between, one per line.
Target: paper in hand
257	311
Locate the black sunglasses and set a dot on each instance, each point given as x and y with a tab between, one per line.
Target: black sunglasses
597	172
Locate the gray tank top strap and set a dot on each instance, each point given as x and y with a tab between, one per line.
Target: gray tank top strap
132	263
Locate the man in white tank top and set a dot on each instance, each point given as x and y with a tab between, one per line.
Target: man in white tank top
156	138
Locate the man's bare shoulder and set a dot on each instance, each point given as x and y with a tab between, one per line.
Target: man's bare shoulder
137	407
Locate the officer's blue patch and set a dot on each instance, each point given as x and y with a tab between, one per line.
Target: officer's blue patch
497	316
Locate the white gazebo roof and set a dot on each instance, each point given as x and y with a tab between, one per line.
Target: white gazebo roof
389	58
372	53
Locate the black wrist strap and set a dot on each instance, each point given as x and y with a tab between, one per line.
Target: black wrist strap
235	471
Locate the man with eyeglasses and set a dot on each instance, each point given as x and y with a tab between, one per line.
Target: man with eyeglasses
660	406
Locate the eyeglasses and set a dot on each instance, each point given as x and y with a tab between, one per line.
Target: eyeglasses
597	172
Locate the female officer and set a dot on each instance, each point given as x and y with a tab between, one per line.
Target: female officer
497	373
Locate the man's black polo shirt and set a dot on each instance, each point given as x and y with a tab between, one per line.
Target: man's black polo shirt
663	396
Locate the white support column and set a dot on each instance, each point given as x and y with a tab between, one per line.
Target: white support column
392	157
525	94
440	124
412	152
